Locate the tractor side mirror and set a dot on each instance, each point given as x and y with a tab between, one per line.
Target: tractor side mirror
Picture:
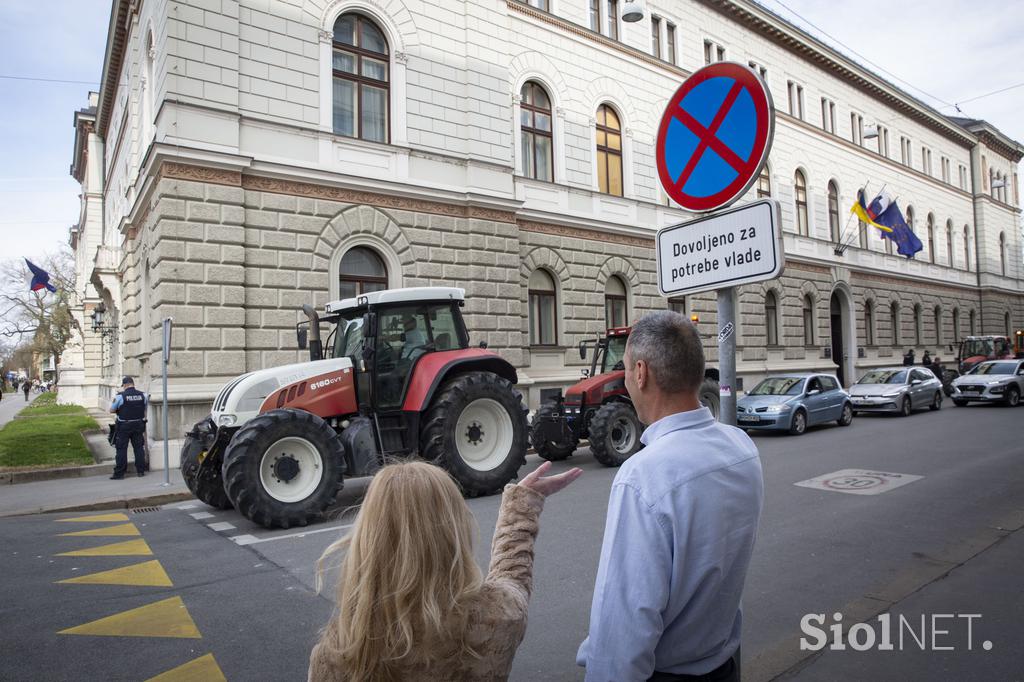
483	344
302	336
585	372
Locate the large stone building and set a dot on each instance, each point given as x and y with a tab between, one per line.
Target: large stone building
243	157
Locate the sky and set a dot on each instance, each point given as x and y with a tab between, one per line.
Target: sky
952	50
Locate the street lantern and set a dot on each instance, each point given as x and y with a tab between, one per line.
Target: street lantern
633	11
97	317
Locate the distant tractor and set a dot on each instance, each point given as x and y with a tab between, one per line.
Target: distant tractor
976	349
397	379
598	407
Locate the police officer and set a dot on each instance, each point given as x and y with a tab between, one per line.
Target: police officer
130	407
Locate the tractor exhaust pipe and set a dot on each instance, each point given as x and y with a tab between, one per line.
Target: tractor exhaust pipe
316	348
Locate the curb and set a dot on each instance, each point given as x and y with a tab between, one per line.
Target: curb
118	503
35	475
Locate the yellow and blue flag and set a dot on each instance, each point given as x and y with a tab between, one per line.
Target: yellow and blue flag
861	209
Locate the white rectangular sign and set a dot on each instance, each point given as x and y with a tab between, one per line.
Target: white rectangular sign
726	249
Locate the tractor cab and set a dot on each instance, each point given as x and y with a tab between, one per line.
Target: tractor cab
976	349
609	352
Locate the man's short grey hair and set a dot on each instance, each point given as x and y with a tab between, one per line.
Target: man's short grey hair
671	347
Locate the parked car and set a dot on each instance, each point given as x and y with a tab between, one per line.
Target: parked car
792	402
995	381
896	389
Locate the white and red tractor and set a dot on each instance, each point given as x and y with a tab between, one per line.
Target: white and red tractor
395	378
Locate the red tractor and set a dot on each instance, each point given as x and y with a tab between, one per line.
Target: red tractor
598	408
976	349
398	379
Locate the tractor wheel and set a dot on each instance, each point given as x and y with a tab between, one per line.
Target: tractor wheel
550	450
709	397
284	468
206	484
476	429
615	433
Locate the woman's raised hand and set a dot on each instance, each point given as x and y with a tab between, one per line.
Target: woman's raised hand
549	485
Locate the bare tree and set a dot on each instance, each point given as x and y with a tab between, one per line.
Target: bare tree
41	318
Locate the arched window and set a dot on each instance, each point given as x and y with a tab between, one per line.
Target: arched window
615	303
949	243
800	188
917	324
956	325
971	318
543	315
894	313
609	151
361	103
869	322
967	248
536	136
938	325
833	211
361	271
771	319
1002	253
931	238
764	183
808	320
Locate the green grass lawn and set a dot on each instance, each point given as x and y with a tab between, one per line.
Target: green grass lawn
46	434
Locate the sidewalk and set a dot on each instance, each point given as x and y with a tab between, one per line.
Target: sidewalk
13	403
91	492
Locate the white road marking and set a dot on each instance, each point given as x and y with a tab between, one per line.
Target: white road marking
201	515
859	481
223	525
185	505
252	539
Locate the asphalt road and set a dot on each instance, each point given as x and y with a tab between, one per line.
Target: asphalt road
942	543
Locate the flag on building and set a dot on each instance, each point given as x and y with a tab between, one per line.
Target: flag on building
862	210
40	278
886	212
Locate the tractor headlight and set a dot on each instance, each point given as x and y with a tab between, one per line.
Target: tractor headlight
226	420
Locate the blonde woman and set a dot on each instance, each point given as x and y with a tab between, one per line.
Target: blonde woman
411	601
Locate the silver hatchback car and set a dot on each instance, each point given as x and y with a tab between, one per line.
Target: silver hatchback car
897	389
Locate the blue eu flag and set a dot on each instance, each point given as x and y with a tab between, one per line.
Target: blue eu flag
907	243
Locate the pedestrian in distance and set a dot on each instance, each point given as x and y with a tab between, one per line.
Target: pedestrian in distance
411	601
25	389
682	518
926	359
937	369
908	358
130	407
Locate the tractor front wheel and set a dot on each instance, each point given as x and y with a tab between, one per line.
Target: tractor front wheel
284	468
206	484
476	429
615	433
548	449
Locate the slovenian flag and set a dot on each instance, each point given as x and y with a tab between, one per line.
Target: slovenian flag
865	212
40	278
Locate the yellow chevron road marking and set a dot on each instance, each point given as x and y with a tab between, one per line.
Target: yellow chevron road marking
128	548
95	519
146	574
203	669
166	618
124	530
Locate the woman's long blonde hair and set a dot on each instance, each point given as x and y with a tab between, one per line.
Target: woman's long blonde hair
407	575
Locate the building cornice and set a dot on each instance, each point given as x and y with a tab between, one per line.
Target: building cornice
117	37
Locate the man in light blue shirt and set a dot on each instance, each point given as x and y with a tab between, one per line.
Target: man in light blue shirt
682	518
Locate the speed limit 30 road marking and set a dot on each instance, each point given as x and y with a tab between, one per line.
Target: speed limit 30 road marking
859	481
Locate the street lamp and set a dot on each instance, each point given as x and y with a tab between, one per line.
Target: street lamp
870	132
97	317
633	11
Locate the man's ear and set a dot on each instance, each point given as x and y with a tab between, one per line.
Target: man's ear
641	374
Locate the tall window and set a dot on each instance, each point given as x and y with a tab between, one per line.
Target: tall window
613	19
938	325
808	320
796	99
595	15
1002	253
967	248
917	324
764	183
543	318
949	243
360	79
869	322
956	325
670	38
800	184
677	305
833	211
771	319
894	314
361	272
609	151
537	137
931	238
656	36
615	303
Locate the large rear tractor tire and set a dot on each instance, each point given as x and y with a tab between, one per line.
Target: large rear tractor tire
709	397
615	434
476	429
205	483
547	449
284	468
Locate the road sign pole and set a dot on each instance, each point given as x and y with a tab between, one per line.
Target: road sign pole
726	357
166	358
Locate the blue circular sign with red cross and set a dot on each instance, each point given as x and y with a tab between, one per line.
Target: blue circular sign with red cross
714	136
